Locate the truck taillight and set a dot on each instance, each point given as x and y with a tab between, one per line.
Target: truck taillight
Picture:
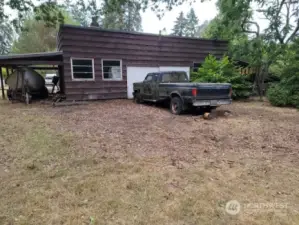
194	92
230	92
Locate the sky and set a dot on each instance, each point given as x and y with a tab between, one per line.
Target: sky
204	10
151	24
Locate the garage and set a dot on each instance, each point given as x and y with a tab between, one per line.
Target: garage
137	74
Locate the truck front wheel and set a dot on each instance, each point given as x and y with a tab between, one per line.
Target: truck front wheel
176	106
137	98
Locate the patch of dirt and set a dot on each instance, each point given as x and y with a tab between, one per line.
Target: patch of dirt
116	162
121	127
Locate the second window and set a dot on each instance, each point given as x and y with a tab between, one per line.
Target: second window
111	69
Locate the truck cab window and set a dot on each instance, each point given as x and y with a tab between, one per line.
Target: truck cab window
149	77
174	77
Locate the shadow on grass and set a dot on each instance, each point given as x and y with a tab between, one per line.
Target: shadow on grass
199	111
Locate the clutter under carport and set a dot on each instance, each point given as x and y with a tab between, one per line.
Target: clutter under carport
23	80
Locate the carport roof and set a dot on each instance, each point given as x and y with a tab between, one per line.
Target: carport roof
42	58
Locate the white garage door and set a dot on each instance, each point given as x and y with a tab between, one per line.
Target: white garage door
137	74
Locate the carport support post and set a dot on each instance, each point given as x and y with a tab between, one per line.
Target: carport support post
2	83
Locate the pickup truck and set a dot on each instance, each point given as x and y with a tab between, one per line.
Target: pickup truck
174	88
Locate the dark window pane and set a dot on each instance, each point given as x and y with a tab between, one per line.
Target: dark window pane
82	69
82	75
110	63
82	62
196	66
77	69
108	75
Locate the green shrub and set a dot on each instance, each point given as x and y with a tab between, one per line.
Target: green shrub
277	95
282	95
223	71
286	92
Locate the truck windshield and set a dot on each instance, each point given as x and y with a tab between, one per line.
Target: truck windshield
174	77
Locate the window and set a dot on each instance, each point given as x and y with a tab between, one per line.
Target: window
196	66
175	77
111	69
82	69
149	77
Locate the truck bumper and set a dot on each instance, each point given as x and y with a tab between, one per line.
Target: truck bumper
219	102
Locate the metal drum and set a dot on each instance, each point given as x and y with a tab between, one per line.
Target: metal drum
32	80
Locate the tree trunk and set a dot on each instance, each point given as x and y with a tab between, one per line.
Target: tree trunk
258	82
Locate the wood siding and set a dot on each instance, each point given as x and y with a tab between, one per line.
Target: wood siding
134	49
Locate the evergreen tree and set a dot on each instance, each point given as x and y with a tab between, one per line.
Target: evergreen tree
192	23
179	28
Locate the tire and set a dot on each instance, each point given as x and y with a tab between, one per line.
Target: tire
44	93
137	98
176	106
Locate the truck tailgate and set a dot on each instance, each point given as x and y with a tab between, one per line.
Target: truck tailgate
213	91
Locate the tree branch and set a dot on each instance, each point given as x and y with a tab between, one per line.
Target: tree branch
278	33
286	27
257	32
293	34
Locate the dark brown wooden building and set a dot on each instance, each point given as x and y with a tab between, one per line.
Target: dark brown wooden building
103	64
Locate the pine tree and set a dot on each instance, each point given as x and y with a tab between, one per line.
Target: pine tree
192	23
179	28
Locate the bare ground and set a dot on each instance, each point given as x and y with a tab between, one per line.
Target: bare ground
115	162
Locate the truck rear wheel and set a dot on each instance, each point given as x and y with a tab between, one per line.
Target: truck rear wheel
176	106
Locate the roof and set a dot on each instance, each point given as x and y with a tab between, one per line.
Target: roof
133	32
31	55
41	58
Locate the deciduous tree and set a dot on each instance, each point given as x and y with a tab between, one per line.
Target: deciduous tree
6	37
36	36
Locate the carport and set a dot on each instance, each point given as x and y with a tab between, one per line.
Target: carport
36	61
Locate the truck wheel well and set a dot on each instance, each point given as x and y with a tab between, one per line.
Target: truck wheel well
175	95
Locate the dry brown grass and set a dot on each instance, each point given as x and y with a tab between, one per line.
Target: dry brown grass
116	162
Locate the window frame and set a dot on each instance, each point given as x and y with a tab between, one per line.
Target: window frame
121	71
82	79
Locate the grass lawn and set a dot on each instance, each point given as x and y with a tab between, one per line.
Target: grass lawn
116	162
